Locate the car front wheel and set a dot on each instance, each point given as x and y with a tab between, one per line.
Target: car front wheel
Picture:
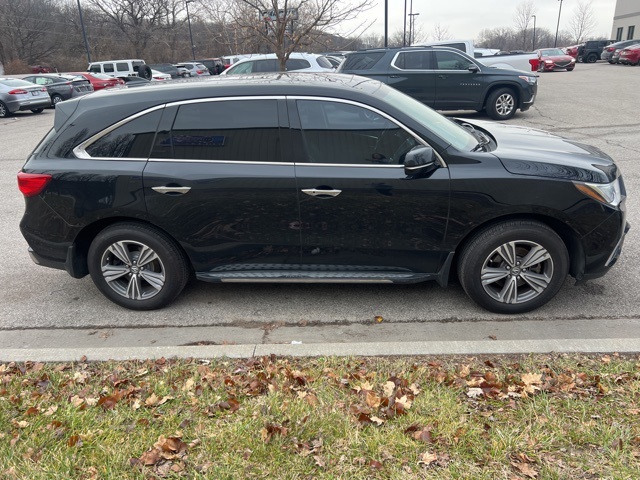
514	267
137	267
502	104
4	111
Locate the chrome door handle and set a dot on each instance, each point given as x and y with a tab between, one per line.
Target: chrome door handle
178	190
315	192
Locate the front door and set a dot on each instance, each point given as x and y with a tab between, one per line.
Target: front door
358	208
457	87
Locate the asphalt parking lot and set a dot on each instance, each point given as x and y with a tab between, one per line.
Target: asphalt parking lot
46	313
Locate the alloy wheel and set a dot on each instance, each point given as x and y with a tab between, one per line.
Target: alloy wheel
505	104
133	270
517	272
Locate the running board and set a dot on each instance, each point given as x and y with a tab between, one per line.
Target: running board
293	276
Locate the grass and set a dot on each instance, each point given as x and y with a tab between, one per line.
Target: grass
543	416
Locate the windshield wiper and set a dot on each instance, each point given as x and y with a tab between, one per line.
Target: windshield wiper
483	140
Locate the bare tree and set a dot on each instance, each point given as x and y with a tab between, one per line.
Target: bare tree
522	18
286	25
440	33
582	22
139	20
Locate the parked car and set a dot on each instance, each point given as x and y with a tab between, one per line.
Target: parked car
461	82
62	87
196	69
300	62
630	55
214	65
591	50
182	71
615	56
609	50
172	70
100	80
40	69
314	178
554	59
572	51
122	68
19	95
157	76
134	81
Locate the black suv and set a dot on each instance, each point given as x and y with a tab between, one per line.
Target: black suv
313	178
591	50
447	79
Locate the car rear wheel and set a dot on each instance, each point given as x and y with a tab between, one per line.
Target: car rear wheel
592	58
137	267
37	110
514	267
4	111
502	104
56	99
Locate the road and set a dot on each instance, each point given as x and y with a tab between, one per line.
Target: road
44	308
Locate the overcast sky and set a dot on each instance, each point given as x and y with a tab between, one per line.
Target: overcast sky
464	19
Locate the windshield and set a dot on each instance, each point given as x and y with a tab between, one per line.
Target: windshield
449	131
552	51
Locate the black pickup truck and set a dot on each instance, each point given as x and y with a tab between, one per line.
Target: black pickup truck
447	79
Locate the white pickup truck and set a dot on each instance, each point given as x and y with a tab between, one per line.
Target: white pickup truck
527	62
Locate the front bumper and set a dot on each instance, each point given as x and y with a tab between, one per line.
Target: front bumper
603	247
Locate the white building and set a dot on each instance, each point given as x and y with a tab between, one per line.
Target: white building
626	20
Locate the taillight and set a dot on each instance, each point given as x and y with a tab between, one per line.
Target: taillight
31	184
199	72
18	91
535	63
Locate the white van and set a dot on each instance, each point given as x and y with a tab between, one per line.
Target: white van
121	68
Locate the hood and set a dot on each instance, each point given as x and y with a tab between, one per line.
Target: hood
527	151
557	58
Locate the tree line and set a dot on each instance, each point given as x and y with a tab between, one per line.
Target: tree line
50	32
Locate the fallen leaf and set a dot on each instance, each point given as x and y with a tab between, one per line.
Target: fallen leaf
427	458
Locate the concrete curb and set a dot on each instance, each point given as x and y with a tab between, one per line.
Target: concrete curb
620	345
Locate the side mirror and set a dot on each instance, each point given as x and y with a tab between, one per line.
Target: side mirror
473	68
420	160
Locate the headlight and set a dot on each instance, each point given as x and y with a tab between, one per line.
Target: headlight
548	61
607	193
573	60
530	80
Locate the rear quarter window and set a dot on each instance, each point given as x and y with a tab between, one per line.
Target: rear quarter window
362	61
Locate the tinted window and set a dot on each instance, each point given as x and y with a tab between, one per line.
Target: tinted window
246	67
414	61
297	64
108	67
324	62
362	61
131	140
94	69
122	67
452	61
265	66
246	131
459	46
348	134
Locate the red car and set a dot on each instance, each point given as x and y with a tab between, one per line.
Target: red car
572	50
630	55
100	80
553	59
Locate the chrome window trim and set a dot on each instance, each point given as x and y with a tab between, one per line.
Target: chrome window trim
395	57
80	150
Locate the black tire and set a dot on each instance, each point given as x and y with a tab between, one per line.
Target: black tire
147	284
570	69
500	253
145	72
37	110
56	99
592	58
4	110
502	104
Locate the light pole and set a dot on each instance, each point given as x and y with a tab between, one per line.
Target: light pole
534	32
386	23
404	30
193	47
555	43
412	32
84	33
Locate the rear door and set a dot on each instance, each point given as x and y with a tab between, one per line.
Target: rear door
218	183
412	72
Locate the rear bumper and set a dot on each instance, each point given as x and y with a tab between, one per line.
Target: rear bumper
28	105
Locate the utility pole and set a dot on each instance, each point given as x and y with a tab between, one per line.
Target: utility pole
534	32
555	44
84	34
193	47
